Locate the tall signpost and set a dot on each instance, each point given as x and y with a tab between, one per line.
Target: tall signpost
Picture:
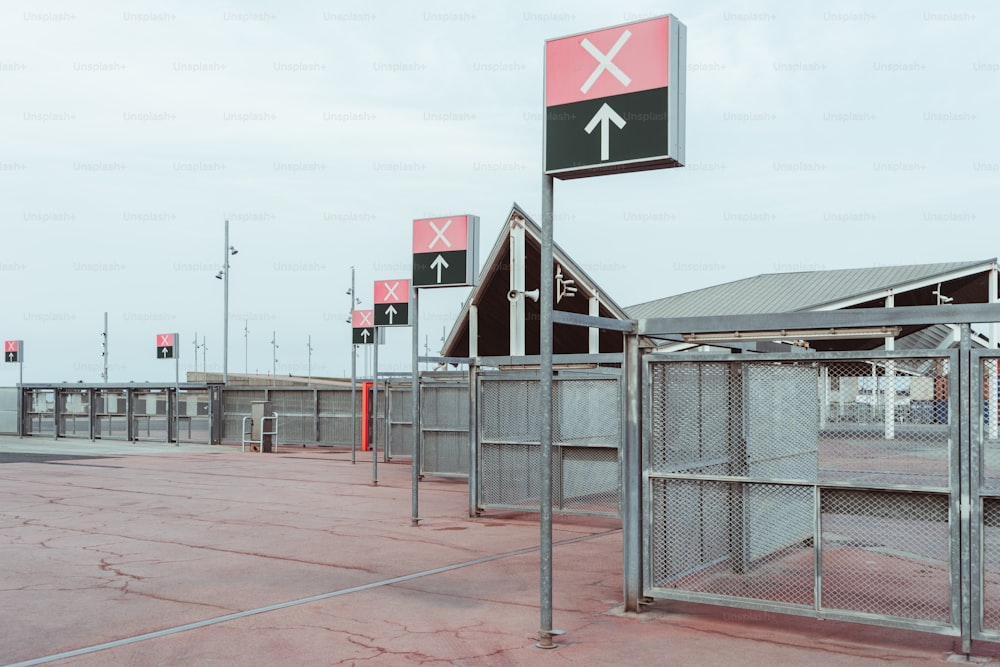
392	309
13	353
362	333
445	254
614	103
168	347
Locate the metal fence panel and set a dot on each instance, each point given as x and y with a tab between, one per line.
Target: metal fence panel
296	410
444	426
399	438
335	416
818	485
236	406
8	410
586	457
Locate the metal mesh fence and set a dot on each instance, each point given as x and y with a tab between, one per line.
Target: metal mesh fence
236	406
335	416
726	538
111	414
991	564
989	445
8	410
886	553
586	432
73	413
400	433
790	427
444	422
296	410
878	421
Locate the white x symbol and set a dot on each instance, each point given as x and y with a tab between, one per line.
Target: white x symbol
604	62
11	345
390	290
365	316
439	234
164	340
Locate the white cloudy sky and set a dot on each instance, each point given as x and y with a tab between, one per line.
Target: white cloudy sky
820	136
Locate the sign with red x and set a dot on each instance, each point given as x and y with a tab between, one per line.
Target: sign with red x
614	99
363	327
165	348
446	251
13	351
392	300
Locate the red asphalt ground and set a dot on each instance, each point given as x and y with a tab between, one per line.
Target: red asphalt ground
151	554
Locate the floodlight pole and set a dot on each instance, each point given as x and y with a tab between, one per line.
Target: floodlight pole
373	430
225	309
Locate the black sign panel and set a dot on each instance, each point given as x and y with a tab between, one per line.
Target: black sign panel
165	352
392	314
363	336
599	135
440	269
11	356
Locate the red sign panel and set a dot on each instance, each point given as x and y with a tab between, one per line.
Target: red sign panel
10	346
441	234
362	318
613	61
392	291
165	340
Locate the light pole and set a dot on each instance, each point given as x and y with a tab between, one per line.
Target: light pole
223	275
309	363
246	347
274	357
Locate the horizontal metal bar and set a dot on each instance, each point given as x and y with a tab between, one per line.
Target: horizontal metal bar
114	387
807	358
581	320
832	486
557	359
853	317
444	360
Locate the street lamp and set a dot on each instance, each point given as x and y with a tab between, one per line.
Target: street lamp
223	275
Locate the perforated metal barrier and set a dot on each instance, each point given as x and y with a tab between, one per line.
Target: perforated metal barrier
822	486
586	441
444	426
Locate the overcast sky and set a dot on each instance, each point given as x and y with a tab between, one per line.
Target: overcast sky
819	136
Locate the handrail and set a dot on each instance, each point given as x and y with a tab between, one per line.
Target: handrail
274	443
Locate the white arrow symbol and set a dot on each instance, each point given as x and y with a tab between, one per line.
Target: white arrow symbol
603	115
439	263
163	353
10	356
390	311
365	334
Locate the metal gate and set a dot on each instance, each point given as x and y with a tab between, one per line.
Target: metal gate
586	441
824	484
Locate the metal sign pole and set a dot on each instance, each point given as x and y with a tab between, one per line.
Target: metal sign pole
20	393
374	404
177	391
354	400
545	427
415	395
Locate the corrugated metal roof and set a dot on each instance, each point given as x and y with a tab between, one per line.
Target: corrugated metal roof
799	291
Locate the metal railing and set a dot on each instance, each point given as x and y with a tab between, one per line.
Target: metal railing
247	438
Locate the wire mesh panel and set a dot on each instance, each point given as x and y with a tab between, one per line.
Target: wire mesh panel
111	414
719	538
39	411
8	410
192	415
586	434
738	453
149	415
989	442
990	585
236	406
886	421
296	410
886	553
400	434
335	416
444	425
